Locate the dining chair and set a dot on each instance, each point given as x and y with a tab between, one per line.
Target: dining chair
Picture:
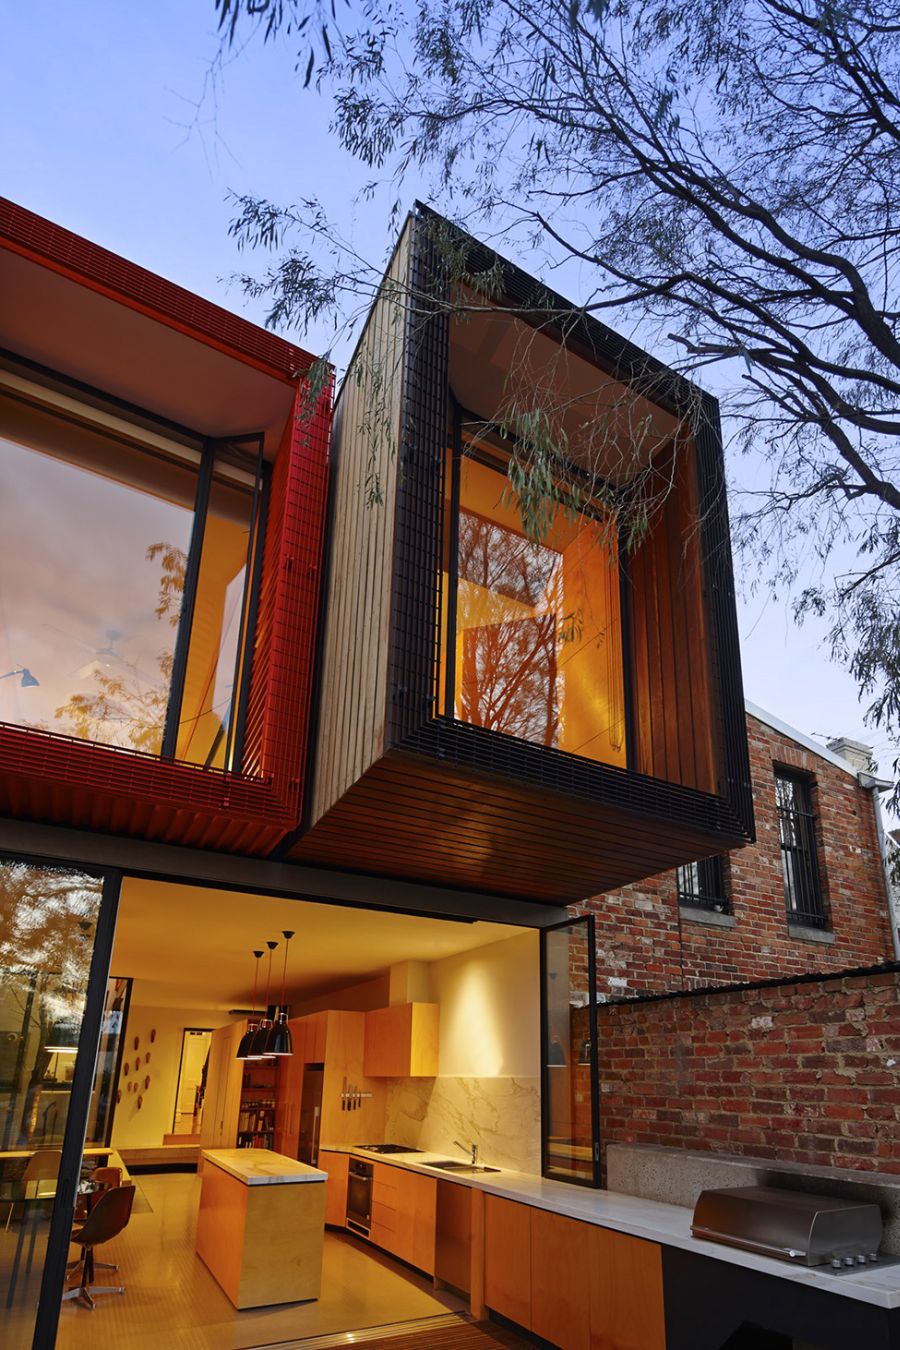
105	1221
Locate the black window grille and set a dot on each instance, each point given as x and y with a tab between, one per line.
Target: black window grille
799	860
701	885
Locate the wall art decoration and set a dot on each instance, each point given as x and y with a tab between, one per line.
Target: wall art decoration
140	1102
126	1068
137	1041
152	1035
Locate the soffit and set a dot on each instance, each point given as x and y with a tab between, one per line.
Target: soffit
497	362
86	336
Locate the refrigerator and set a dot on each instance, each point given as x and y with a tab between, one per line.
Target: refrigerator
310	1113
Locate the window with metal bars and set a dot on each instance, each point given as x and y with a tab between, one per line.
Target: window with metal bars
701	885
799	858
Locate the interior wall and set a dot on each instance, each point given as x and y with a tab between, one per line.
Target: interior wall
143	1126
490	1010
488	1087
360	997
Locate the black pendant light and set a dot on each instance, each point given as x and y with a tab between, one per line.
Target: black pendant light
243	1050
280	1040
260	1045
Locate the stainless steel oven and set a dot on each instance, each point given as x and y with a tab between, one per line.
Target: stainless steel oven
359	1196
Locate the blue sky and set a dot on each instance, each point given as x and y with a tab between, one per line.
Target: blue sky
101	133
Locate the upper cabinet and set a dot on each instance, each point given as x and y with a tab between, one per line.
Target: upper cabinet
530	680
402	1041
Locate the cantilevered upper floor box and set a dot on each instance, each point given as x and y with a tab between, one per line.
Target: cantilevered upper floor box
162	487
529	679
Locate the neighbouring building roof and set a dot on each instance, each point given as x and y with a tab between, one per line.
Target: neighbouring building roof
784	729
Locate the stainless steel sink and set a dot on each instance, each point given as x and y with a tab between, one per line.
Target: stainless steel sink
452	1166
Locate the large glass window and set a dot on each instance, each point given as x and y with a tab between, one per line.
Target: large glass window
532	631
113	539
48	921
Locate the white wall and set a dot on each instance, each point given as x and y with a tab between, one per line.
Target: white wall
490	1010
145	1127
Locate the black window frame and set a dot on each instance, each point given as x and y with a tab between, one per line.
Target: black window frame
703	885
804	898
249	448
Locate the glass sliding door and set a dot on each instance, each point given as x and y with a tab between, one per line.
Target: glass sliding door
570	1109
56	927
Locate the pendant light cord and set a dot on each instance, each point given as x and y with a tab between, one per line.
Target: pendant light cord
287	934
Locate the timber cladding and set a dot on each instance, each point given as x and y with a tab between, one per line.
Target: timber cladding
357	610
401	790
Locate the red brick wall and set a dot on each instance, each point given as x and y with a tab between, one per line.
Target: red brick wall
645	946
803	1073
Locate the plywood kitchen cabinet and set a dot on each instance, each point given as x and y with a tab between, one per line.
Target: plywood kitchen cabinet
626	1291
507	1259
402	1041
224	1076
308	1038
403	1215
359	1119
337	1165
560	1280
335	1039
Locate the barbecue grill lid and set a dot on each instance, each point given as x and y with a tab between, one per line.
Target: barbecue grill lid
796	1222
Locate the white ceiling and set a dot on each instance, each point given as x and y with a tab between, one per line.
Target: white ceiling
192	946
88	337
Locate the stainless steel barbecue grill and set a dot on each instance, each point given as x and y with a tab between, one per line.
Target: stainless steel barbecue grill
810	1230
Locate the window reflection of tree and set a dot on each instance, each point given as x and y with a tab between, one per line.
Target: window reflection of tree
47	922
509	666
127	706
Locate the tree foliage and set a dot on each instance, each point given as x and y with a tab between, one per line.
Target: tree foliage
726	171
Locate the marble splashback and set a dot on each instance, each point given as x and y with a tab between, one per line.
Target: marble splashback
501	1115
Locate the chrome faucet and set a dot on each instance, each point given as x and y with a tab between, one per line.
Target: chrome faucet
467	1148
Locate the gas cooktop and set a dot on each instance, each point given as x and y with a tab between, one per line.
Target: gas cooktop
387	1148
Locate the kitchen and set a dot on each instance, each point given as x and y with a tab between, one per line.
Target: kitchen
406	1033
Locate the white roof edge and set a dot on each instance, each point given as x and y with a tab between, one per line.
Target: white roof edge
794	735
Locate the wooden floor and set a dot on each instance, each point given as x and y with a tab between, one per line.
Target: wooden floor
172	1301
462	1336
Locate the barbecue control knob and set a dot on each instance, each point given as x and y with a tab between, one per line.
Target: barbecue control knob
860	1260
873	1256
848	1261
836	1263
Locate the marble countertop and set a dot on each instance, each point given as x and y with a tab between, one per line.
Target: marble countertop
262	1167
650	1219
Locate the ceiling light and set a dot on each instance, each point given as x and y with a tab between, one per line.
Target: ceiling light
243	1050
280	1042
260	1044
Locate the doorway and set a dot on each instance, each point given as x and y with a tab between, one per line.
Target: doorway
177	1093
187	1119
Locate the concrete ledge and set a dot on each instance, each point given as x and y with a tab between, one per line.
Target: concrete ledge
801	933
694	914
676	1176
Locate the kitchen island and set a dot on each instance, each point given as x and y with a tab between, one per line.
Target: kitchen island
261	1225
